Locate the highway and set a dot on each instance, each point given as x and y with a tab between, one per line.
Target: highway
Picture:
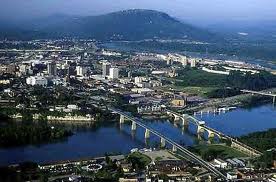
196	158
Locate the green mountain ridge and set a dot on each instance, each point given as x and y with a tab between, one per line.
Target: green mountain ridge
123	25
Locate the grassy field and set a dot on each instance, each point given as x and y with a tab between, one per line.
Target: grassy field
201	91
199	78
217	151
139	159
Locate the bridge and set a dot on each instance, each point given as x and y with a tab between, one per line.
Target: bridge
201	128
148	130
261	93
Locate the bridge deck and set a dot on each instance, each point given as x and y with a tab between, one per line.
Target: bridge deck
259	93
196	121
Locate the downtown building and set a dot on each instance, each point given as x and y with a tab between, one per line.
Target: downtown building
52	69
106	69
114	73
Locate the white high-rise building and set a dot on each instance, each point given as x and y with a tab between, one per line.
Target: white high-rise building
184	60
114	73
81	71
193	63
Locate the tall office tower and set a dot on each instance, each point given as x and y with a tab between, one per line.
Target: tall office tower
114	73
52	69
106	69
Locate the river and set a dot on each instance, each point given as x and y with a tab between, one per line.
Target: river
114	138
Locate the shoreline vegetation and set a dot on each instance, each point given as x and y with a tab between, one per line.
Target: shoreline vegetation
264	141
13	134
224	85
37	131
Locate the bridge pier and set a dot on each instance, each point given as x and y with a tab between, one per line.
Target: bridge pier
133	126
147	133
274	100
174	149
133	133
163	142
184	128
200	129
200	137
122	119
176	118
185	121
210	134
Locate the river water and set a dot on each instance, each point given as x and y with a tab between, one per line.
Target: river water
114	138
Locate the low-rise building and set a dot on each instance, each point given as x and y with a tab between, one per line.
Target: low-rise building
149	108
179	102
232	175
222	164
142	90
37	80
175	169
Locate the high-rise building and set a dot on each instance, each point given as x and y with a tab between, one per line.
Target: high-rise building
129	74
106	69
81	71
193	63
114	73
184	61
169	61
52	69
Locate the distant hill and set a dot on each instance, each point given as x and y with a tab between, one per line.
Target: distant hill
122	25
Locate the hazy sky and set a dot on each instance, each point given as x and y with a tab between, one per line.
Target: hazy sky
185	9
